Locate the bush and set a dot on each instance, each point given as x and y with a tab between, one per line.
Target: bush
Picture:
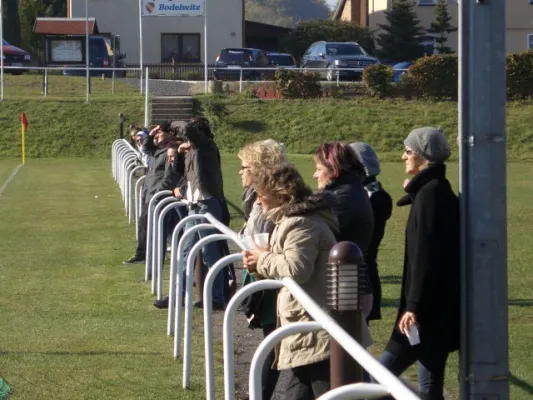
213	107
520	75
434	77
298	85
378	80
192	76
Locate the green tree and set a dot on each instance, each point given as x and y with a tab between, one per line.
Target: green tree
399	40
285	12
55	8
306	33
29	10
11	21
442	26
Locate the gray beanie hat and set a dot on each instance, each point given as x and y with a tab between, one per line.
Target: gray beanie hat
429	143
368	157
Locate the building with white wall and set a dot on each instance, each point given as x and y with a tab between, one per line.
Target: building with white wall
170	37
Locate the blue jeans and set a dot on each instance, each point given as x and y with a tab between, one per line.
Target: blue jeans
213	251
431	367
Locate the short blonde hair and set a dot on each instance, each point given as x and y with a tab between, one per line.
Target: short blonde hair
265	154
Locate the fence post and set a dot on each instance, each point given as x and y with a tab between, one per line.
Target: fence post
240	82
45	83
344	300
121	120
146	97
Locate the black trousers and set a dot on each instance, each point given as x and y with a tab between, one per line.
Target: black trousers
141	238
308	382
270	376
171	216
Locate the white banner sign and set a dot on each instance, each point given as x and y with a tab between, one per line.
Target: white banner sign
172	8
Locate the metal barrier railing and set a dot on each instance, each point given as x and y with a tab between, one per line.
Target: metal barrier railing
388	383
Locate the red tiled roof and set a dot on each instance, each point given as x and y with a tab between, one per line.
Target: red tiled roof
64	26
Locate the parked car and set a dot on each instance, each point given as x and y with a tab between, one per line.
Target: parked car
335	56
101	54
15	57
400	69
282	60
230	62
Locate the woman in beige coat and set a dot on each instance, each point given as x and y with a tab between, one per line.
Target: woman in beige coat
299	248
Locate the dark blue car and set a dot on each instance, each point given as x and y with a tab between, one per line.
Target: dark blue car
400	69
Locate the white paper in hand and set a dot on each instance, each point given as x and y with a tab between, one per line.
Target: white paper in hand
412	335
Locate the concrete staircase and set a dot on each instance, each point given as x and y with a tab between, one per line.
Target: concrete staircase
173	108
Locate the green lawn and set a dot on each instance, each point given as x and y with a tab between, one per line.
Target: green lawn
76	323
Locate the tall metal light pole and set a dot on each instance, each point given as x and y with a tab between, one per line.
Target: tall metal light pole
482	91
87	61
1	51
141	43
206	68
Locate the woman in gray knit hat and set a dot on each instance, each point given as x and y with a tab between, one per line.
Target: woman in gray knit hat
430	297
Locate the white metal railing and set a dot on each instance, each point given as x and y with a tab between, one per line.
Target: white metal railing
388	383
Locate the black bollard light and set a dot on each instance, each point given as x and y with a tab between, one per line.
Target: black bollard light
344	282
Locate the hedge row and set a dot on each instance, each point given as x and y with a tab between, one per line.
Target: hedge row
436	77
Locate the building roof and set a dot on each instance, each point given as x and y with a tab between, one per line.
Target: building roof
64	26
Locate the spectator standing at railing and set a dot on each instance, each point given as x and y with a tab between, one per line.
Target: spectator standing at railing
339	172
160	176
205	194
299	249
430	295
260	308
381	202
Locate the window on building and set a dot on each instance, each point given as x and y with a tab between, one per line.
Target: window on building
530	41
427	2
184	47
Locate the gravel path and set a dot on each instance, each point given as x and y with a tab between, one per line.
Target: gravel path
159	87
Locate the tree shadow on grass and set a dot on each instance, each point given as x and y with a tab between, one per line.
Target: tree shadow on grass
521	302
521	384
250	126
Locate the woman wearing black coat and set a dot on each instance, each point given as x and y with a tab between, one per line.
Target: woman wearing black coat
381	203
430	296
339	171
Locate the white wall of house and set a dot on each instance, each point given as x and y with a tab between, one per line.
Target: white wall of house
167	37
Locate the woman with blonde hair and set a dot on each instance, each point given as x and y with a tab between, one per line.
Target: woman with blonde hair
260	308
299	247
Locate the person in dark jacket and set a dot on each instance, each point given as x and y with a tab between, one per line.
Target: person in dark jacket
430	296
381	202
205	194
161	175
338	171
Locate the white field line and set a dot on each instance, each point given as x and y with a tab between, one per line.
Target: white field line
10	179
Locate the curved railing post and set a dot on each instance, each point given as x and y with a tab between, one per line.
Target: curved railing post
129	165
189	274
265	347
138	203
134	196
176	258
127	161
208	321
155	250
356	391
122	152
160	245
178	298
227	334
151	205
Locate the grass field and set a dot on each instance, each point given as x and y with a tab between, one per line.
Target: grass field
77	324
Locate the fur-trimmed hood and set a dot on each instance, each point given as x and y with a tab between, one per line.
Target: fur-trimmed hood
320	203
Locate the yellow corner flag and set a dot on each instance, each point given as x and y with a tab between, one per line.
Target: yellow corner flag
24	123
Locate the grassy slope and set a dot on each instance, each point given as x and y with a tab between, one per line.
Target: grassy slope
63	126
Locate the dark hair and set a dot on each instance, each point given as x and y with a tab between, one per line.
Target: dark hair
202	124
165	126
338	158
